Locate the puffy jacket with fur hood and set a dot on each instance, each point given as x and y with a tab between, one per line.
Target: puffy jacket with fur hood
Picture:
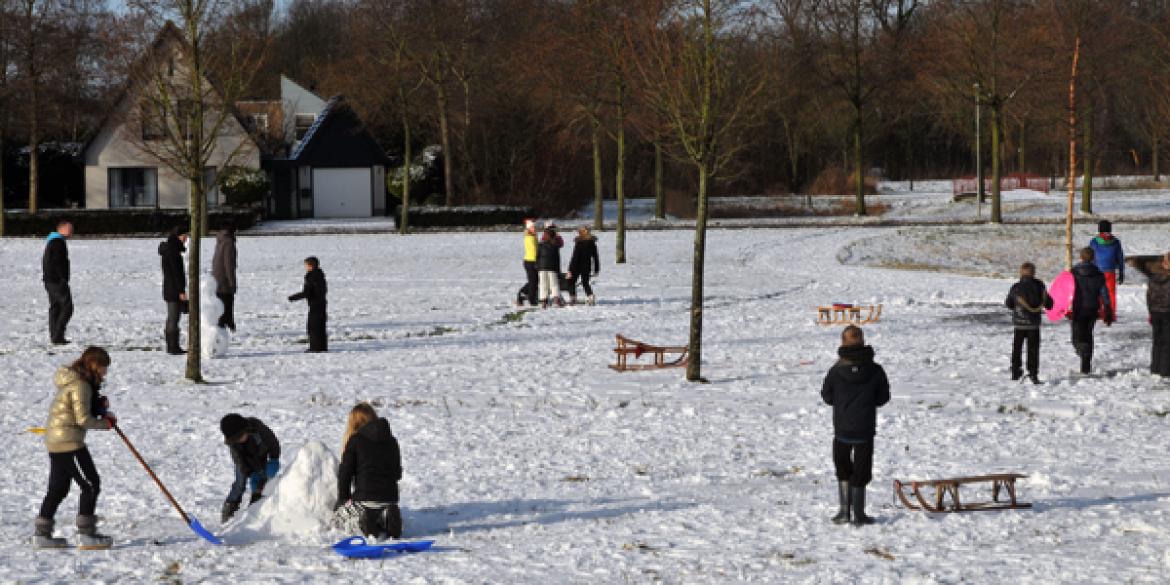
371	465
71	413
856	387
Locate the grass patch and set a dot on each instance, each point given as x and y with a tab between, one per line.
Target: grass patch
880	553
1019	408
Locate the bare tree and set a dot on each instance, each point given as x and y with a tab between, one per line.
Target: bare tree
6	42
690	76
182	99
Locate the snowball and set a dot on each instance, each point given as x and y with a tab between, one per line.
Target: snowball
298	504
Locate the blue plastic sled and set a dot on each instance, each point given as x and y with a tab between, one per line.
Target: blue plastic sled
355	547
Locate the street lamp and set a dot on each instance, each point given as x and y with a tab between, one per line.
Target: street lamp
979	191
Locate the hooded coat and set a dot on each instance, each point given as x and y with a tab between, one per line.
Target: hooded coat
855	386
371	465
1108	254
55	261
1158	293
584	256
1090	294
252	455
174	277
548	254
1026	315
71	413
223	264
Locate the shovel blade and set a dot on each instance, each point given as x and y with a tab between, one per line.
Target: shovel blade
205	533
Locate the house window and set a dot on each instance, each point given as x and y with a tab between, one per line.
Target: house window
133	187
259	123
303	123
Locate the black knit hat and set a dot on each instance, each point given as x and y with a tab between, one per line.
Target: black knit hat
233	426
1104	227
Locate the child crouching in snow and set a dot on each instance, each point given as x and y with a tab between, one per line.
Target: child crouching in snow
367	479
856	387
255	454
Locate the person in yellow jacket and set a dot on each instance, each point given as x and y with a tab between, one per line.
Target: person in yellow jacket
528	291
77	408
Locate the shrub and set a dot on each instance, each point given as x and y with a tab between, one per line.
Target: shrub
468	216
117	221
838	181
244	187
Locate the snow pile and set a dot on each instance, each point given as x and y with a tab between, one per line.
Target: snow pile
297	504
215	339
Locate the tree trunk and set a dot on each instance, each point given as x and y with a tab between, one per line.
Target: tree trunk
996	166
445	140
1021	161
695	343
404	222
620	178
858	173
465	138
1	177
194	342
659	198
598	189
1087	151
1072	155
1153	158
34	148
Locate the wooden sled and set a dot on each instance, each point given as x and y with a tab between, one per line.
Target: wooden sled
848	314
627	347
1005	483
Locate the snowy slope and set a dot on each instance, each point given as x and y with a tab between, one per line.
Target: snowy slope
528	460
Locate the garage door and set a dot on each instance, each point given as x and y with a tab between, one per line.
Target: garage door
342	193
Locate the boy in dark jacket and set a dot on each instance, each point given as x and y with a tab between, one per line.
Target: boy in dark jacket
856	387
548	263
55	274
584	258
255	454
1090	302
1027	299
174	290
314	292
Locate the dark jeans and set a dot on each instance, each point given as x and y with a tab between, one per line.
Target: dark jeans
228	318
64	468
316	327
533	281
174	313
584	276
1032	336
1082	340
381	520
236	495
854	462
1160	356
60	309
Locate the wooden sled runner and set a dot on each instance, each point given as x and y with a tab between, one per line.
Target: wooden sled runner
840	314
1005	483
627	347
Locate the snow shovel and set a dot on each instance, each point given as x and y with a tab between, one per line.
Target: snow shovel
191	521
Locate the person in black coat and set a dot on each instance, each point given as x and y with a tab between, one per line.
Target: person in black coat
548	264
1158	305
855	386
314	292
174	286
255	455
55	275
367	479
584	258
1027	299
1090	302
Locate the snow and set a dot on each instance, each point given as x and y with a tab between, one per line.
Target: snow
298	507
529	461
215	339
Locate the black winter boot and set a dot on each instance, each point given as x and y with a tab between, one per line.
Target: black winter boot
173	343
229	510
857	500
43	535
842	516
88	537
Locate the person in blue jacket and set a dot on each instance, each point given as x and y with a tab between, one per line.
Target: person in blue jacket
1110	259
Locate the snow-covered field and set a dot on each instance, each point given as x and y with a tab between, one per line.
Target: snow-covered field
529	461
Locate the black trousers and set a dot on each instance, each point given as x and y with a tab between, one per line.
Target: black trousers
316	328
1032	336
533	281
60	309
1082	340
584	276
854	462
381	521
65	468
1160	356
228	318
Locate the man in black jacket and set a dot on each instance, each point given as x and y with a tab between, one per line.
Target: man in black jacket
174	286
1090	302
314	292
255	456
55	275
855	386
1027	299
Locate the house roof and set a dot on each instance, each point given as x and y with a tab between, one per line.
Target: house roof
171	32
338	138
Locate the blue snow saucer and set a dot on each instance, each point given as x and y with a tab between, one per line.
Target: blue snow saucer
355	547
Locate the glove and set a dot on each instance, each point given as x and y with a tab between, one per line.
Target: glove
110	419
292	298
256	480
103	405
272	468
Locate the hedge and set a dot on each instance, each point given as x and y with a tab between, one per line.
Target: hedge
117	221
428	216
